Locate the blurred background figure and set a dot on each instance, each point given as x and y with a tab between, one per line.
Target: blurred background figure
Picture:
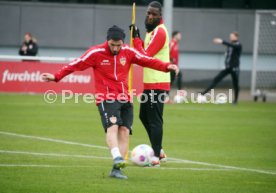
174	58
29	46
232	63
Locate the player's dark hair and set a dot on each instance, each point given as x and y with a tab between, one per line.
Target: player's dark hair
156	4
175	33
115	33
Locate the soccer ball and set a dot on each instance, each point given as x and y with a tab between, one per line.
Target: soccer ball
221	100
142	154
178	99
201	99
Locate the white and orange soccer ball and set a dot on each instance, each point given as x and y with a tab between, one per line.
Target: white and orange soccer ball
221	100
178	99
201	99
142	155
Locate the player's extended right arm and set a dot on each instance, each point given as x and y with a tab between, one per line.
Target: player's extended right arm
224	42
76	65
48	77
79	64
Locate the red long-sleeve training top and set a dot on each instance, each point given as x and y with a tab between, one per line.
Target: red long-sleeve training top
111	71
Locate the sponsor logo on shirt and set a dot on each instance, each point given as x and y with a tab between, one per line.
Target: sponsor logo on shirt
105	62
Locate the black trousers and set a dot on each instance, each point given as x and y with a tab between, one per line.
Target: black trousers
178	79
151	115
234	72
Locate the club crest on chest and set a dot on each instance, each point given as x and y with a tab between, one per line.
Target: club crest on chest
123	61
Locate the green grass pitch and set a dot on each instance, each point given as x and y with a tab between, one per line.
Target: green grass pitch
59	148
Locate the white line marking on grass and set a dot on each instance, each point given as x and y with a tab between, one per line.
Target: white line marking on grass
89	166
88	157
223	166
216	109
198	107
29	165
54	154
52	140
173	159
40	104
50	166
192	169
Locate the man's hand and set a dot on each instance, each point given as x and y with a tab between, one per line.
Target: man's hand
47	77
135	31
217	41
24	48
173	67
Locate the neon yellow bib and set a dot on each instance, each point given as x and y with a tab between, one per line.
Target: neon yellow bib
155	76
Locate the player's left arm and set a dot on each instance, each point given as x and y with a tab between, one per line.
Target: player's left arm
150	62
155	45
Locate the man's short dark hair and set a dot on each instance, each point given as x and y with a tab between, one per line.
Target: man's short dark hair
156	4
175	33
115	33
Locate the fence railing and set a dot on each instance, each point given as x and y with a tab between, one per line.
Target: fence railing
36	58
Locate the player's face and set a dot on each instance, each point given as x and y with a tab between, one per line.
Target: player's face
232	37
153	15
27	38
178	37
115	46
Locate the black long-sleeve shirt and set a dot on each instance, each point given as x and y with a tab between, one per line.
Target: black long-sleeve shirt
32	49
233	53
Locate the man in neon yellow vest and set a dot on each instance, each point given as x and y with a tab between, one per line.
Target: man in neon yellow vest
156	84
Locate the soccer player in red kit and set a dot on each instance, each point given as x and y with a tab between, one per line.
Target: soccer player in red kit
111	62
174	58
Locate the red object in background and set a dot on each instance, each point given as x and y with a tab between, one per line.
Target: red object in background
25	77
